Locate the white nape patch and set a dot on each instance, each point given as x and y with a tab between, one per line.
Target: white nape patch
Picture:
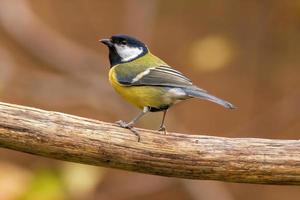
141	75
176	92
128	53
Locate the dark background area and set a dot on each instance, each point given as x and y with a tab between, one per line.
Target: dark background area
246	52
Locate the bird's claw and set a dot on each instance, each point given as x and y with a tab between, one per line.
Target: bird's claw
130	127
163	129
124	124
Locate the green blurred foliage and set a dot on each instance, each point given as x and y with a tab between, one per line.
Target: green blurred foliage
45	185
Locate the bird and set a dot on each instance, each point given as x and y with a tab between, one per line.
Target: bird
147	82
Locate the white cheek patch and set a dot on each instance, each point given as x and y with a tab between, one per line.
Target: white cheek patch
128	53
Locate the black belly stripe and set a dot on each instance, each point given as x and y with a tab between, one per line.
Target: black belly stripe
161	108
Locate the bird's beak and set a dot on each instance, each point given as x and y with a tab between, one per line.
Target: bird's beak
107	42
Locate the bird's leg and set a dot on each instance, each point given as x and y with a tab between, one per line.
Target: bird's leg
130	124
162	126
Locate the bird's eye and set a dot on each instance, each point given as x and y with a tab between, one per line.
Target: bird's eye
124	42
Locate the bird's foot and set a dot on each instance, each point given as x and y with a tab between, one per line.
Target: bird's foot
124	124
163	130
130	127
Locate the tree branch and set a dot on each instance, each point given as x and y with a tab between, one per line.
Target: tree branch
77	139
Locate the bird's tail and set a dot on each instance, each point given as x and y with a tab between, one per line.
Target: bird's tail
202	94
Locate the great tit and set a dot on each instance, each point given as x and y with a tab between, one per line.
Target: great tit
148	82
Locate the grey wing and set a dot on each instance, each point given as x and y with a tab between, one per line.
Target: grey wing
162	76
180	86
183	87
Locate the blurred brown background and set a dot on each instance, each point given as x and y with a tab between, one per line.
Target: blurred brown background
246	52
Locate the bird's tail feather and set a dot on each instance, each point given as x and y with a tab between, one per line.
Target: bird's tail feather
198	93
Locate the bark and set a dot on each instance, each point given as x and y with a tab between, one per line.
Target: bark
76	139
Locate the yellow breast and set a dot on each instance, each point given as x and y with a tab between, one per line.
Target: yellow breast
140	96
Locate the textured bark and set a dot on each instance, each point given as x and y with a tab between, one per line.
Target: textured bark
77	139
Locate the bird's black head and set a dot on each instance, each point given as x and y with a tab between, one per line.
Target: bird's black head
124	48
